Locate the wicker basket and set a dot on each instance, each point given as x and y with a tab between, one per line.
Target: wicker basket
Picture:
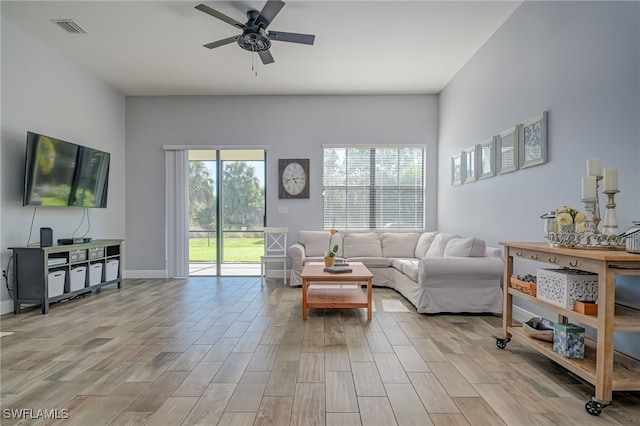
523	286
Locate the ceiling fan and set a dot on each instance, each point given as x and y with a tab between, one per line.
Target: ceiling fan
255	37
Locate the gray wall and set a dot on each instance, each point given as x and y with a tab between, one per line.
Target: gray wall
288	126
580	62
45	93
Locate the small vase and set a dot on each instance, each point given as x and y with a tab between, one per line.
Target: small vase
328	261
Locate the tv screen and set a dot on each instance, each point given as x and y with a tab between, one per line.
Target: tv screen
60	173
92	179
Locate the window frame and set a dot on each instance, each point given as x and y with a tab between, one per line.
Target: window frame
375	190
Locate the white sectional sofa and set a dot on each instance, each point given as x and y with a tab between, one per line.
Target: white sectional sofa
437	272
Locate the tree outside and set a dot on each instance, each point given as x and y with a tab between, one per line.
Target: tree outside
242	210
243	197
202	200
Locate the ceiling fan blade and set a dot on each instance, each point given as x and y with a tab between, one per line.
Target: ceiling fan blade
269	11
222	42
292	37
206	9
266	57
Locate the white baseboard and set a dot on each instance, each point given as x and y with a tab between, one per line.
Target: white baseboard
522	315
6	307
137	273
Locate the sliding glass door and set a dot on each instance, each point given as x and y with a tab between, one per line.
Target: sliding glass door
226	211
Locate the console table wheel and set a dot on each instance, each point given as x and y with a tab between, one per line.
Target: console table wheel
501	343
594	407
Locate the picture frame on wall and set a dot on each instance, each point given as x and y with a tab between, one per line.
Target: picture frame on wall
470	164
532	140
457	172
487	158
507	150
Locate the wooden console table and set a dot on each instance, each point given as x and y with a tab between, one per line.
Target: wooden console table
602	366
335	290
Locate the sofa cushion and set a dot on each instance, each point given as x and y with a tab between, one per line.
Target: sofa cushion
423	244
365	244
399	244
410	269
372	262
465	247
439	244
399	263
316	243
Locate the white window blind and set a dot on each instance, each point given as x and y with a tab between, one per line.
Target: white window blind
373	187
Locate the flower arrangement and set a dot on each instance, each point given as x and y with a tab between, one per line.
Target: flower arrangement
332	249
568	215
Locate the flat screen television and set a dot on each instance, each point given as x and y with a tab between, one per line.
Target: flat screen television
60	173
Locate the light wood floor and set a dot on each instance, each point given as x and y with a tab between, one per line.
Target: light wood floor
228	351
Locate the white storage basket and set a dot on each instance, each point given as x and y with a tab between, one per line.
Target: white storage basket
95	273
111	270
77	278
56	282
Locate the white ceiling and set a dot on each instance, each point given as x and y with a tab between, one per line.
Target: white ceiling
361	47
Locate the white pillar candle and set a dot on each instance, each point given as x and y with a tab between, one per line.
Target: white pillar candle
593	167
588	187
610	179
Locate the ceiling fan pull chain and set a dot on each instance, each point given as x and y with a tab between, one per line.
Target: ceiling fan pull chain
254	61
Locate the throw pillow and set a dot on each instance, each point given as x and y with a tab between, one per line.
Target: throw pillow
399	244
316	243
465	247
439	244
365	244
423	244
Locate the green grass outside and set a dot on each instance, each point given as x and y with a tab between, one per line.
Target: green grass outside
235	250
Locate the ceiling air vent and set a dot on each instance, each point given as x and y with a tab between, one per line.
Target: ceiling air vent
69	26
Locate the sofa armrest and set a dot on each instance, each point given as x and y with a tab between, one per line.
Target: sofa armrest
296	253
460	267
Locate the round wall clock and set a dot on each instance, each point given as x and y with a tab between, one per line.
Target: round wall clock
294	178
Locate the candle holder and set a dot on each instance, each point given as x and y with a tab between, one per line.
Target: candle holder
590	222
610	226
596	214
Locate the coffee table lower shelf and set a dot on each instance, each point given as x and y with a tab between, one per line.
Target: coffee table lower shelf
333	296
322	289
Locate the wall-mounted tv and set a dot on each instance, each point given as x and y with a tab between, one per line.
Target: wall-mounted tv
60	173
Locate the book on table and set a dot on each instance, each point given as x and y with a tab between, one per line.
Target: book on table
338	269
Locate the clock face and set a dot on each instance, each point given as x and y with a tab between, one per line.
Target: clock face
294	178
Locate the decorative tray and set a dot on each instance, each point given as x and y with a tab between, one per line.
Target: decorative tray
585	240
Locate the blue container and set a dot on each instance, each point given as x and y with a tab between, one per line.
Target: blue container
568	340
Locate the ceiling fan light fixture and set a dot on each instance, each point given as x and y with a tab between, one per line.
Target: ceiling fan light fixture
255	41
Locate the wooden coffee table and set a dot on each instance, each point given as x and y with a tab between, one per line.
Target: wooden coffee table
331	290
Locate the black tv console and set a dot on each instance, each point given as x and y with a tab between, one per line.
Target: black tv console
35	266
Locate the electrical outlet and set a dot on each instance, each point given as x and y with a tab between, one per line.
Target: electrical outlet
4	273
